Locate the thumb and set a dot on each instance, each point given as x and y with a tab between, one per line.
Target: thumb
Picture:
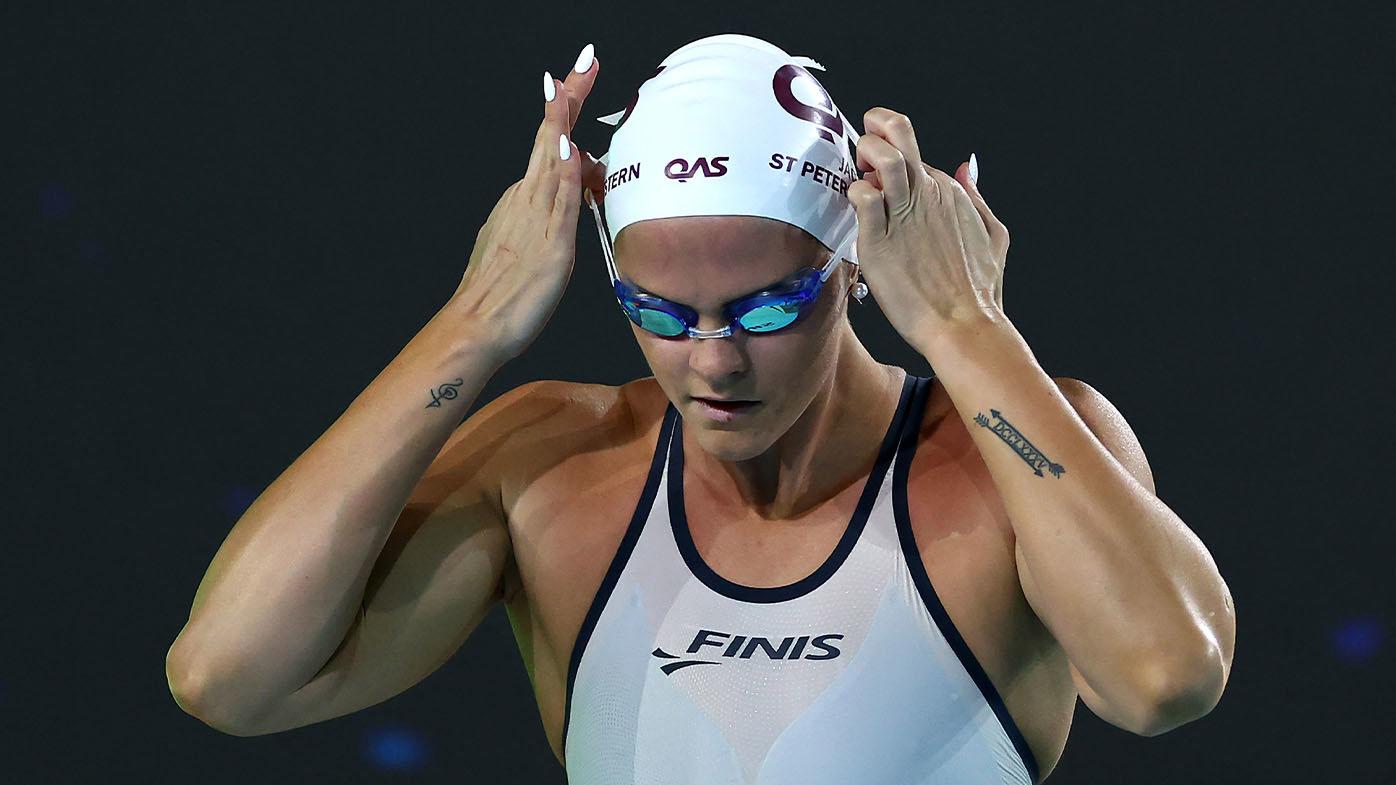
968	175
594	176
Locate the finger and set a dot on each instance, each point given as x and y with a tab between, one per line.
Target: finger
578	84
563	222
998	233
871	209
878	155
540	181
896	129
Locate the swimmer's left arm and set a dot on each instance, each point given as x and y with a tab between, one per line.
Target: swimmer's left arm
1129	591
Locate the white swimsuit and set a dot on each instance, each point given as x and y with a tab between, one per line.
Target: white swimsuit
854	674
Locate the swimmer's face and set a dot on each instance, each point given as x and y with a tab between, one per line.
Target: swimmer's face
705	262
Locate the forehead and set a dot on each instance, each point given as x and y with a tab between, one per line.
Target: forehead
707	260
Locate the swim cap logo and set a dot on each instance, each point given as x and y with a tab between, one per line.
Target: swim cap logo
679	169
825	116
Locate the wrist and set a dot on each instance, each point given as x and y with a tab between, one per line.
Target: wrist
965	333
470	334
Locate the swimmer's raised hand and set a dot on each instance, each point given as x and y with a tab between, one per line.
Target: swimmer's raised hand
524	253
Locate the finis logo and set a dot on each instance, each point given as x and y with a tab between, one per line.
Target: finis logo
681	170
744	647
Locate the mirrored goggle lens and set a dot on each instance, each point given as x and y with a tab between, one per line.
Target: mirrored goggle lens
659	322
766	318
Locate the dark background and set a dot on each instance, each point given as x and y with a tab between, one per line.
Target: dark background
226	222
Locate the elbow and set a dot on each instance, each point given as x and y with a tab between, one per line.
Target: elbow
189	696
1181	695
179	678
189	693
190	700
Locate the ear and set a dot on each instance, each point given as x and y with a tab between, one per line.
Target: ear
846	279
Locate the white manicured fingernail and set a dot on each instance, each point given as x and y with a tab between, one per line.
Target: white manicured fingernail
973	169
549	89
564	150
584	59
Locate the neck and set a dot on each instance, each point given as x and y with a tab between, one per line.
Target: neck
832	445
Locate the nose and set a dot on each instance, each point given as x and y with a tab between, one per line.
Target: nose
719	359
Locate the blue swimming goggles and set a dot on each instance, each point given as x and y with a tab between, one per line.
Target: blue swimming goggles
766	311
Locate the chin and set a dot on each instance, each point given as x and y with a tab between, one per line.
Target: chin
730	444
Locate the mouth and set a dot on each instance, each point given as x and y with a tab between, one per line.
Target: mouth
733	405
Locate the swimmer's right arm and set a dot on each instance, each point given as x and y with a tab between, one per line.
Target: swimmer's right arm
366	564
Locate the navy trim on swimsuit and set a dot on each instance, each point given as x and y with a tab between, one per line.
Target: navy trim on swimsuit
678	520
910	439
627	546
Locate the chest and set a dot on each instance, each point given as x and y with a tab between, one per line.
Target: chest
569	524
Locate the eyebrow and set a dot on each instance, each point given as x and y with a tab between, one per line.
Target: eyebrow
767	287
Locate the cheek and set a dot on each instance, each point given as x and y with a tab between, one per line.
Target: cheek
664	357
794	355
668	361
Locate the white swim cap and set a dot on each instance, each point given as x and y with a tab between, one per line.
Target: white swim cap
732	125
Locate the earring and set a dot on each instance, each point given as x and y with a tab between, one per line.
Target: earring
860	290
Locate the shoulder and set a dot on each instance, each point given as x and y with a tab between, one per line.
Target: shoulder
1109	426
550	409
540	424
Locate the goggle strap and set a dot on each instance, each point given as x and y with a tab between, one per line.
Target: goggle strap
601	232
839	253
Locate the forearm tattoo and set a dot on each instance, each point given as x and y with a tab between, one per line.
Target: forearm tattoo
1025	449
446	392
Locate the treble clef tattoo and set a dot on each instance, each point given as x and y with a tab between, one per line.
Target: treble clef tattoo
445	392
